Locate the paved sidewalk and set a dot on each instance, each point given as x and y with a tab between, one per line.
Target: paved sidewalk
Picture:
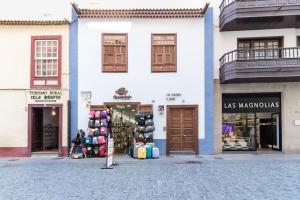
226	176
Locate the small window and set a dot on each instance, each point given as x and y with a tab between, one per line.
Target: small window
114	53
45	61
298	41
164	54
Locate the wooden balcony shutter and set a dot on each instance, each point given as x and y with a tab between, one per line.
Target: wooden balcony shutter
114	53
164	53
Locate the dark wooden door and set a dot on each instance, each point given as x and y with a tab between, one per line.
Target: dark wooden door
182	130
37	129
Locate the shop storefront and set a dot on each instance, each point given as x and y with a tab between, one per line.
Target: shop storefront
46	129
251	122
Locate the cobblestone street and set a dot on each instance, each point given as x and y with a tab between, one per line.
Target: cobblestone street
180	177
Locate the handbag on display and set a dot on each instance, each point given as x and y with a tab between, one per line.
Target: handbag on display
150	129
149	122
97	115
103	131
96	150
88	140
140	121
103	115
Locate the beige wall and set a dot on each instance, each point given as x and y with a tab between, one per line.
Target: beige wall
290	108
15	52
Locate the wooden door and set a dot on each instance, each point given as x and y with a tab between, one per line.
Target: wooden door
182	129
37	129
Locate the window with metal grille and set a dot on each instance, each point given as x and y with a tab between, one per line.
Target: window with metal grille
164	54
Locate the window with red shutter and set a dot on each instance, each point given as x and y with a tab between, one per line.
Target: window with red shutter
45	61
164	58
114	56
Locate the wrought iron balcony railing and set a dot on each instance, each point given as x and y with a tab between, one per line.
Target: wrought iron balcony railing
258	3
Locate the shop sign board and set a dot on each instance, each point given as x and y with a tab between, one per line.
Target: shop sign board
110	152
45	96
122	94
172	96
250	104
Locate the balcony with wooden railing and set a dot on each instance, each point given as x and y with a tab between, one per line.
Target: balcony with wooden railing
259	14
260	65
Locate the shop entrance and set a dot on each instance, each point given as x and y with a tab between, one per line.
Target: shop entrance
251	122
44	129
182	131
123	124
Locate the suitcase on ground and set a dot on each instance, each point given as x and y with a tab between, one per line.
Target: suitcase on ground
135	150
141	153
148	151
155	152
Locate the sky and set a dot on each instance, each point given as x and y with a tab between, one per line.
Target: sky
61	9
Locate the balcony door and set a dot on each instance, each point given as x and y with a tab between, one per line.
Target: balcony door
267	48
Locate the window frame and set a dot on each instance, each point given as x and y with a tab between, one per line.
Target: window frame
152	64
33	76
102	53
265	40
298	41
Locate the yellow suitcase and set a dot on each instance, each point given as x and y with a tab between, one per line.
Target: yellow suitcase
141	153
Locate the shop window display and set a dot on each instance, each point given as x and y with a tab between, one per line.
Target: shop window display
238	131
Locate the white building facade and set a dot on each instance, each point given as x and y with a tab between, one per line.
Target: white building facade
158	57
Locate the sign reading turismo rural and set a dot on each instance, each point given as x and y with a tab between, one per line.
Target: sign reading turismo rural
122	94
251	104
110	152
45	96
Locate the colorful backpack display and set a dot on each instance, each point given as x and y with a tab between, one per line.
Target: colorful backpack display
141	153
155	152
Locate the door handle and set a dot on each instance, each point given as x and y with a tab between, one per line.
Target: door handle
184	135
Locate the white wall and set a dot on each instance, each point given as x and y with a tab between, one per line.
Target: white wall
143	85
226	41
